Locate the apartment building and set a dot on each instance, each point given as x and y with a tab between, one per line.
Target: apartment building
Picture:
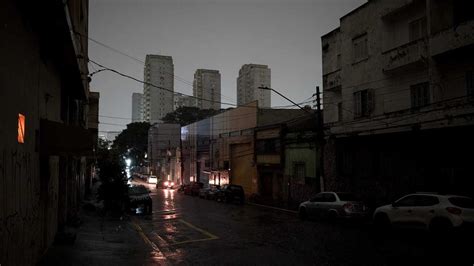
398	89
251	77
184	101
158	91
137	103
207	89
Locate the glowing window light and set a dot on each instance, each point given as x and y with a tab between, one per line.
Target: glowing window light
21	128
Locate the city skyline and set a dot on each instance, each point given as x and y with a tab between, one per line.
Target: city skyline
221	36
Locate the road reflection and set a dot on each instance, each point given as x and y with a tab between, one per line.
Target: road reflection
168	203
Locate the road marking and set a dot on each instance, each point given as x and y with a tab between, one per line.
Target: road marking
146	239
204	232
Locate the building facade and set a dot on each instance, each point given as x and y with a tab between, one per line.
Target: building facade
137	103
44	140
232	157
158	90
398	79
184	101
163	140
251	77
207	89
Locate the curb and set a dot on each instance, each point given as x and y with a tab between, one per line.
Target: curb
271	207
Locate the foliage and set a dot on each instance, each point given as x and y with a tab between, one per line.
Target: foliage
187	115
133	142
113	189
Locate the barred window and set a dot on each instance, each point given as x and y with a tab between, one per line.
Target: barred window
420	95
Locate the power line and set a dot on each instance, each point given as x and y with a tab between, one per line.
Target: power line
165	89
178	78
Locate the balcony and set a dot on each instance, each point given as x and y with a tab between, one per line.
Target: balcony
452	38
407	56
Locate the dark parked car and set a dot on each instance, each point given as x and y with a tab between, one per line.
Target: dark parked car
193	188
230	193
210	192
140	200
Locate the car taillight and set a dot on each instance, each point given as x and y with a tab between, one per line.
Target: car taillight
454	210
348	207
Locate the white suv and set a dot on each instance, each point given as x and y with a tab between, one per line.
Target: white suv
427	210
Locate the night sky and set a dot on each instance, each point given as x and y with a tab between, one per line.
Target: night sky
222	35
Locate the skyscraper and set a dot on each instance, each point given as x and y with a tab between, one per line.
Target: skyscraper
252	76
207	87
137	107
158	99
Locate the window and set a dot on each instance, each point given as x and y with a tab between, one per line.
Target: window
360	48
407	201
417	29
426	200
420	95
21	128
268	146
363	103
462	11
329	197
470	83
318	198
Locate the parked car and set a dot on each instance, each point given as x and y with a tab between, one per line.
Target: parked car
140	200
230	192
333	205
193	188
210	192
429	211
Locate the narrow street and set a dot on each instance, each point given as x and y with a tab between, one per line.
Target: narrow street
190	230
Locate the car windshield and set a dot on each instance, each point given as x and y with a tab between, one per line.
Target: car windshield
346	196
462	202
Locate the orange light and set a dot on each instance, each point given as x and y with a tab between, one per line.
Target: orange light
21	128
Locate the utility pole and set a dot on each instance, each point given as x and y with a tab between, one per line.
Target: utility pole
320	138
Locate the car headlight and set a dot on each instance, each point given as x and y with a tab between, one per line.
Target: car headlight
166	183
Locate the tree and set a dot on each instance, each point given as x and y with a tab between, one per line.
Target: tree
132	142
187	115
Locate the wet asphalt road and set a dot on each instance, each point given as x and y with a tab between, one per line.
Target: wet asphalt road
187	230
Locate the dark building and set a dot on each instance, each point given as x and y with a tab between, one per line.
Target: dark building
44	140
398	90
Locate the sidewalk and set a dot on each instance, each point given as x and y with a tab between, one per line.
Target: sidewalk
103	241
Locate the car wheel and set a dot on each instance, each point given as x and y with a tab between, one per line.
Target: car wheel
440	225
302	213
381	222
